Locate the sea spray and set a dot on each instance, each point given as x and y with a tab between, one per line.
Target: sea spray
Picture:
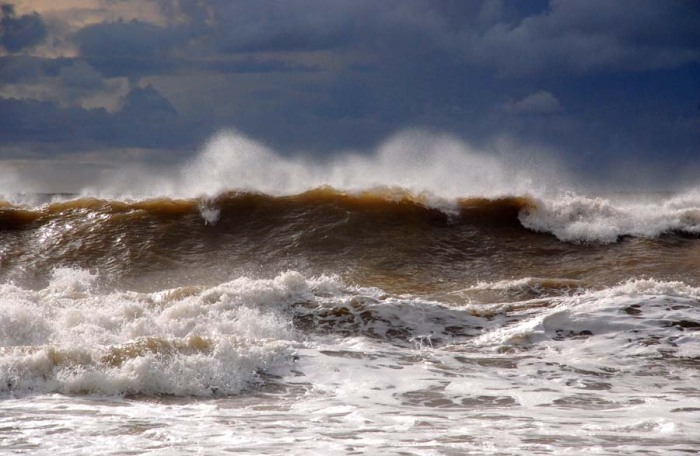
418	161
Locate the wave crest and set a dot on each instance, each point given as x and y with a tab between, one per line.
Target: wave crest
577	218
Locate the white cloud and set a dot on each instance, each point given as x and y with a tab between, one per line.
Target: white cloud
541	102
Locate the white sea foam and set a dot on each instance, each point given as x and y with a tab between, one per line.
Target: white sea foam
638	317
609	370
69	337
599	370
579	218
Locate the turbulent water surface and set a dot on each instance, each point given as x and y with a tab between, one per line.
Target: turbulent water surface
349	321
372	320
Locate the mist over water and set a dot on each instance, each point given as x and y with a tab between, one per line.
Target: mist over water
415	160
418	161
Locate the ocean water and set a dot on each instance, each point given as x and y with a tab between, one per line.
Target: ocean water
426	300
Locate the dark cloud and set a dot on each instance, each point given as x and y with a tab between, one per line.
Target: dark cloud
37	121
282	26
79	74
132	39
132	48
147	105
516	39
250	64
597	81
592	35
21	68
19	32
145	119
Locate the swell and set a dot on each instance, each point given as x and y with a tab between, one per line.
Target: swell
391	201
19	217
401	240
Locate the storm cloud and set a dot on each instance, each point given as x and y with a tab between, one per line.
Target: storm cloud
597	83
19	32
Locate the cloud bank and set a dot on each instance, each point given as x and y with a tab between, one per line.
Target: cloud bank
598	84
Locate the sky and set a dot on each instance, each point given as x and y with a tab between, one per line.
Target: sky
610	89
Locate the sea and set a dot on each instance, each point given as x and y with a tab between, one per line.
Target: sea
426	300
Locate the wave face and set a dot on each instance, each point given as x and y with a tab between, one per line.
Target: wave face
386	234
